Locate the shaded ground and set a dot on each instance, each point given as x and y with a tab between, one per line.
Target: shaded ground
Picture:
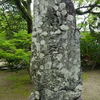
91	85
16	86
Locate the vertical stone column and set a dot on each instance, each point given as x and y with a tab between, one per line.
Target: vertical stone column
55	63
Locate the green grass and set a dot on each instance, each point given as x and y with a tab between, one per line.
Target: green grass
15	86
85	76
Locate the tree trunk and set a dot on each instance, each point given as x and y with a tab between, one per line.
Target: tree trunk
55	63
29	26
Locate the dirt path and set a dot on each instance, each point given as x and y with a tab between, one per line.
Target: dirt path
91	85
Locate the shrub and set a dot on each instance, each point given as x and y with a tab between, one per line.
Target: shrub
90	51
16	51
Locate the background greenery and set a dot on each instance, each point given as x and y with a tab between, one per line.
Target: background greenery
16	28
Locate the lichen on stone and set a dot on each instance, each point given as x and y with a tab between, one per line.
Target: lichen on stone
55	7
57	1
36	95
42	42
41	67
59	56
55	66
63	12
64	27
62	5
44	33
70	17
41	55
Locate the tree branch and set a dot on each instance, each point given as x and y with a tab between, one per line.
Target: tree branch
91	7
22	9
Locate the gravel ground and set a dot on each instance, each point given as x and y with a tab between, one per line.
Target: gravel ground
91	85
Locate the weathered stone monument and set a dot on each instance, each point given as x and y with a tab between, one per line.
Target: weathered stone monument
55	63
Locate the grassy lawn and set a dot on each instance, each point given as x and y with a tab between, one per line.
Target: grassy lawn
17	86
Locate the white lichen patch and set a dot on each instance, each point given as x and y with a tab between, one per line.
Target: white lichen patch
44	33
48	92
52	33
58	32
77	69
78	65
66	52
35	66
62	6
36	44
75	61
65	72
39	30
79	87
58	13
55	89
39	73
41	55
64	27
41	67
55	7
59	56
70	17
37	95
34	34
37	19
42	42
57	1
37	2
31	63
64	45
78	50
65	36
33	58
54	52
59	79
34	40
43	8
63	12
37	47
60	66
70	59
40	23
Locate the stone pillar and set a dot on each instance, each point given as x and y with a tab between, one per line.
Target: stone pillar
55	63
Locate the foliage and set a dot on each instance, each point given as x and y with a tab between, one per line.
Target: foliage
11	20
90	51
22	7
88	16
16	50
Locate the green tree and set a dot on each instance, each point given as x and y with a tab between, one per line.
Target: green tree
11	21
23	9
90	9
